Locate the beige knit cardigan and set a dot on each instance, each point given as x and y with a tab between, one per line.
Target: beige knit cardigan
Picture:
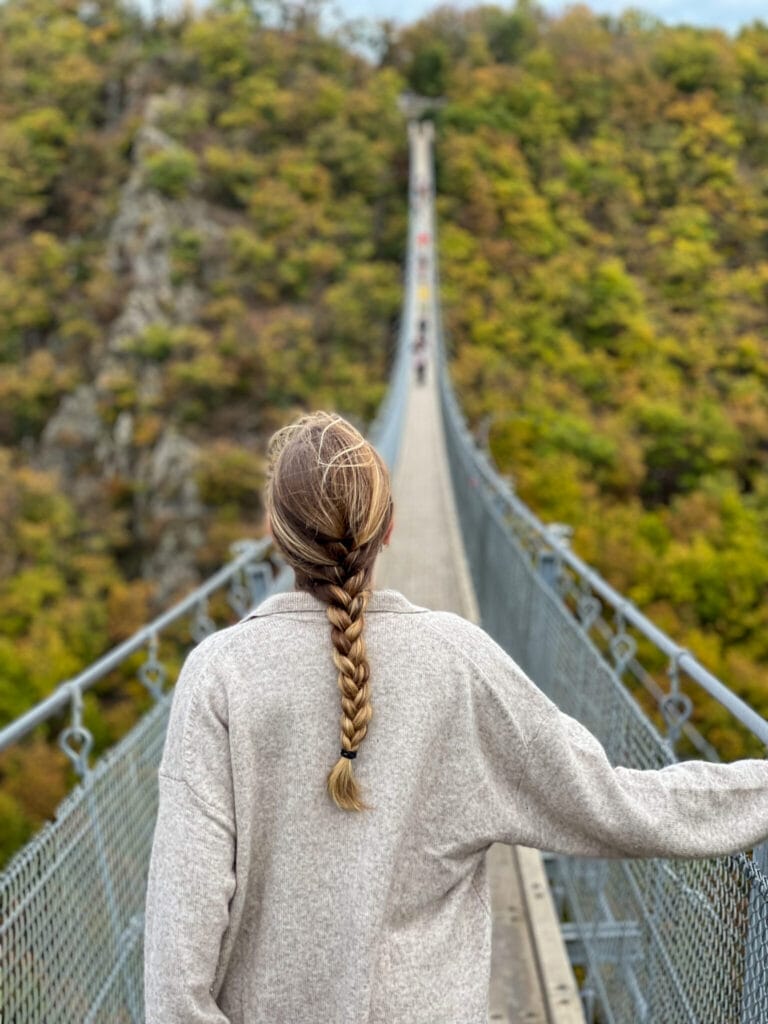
266	904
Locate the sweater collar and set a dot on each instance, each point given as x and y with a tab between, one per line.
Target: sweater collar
300	601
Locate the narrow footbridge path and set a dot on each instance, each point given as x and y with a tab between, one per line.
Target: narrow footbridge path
531	978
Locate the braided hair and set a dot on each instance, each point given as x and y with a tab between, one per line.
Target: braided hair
329	503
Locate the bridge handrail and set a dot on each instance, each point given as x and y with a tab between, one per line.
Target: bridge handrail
249	553
545	538
386	429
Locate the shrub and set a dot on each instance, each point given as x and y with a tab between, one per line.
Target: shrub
171	171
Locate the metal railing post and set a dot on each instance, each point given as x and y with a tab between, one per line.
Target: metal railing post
754	999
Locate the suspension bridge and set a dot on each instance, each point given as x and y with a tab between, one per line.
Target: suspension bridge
653	942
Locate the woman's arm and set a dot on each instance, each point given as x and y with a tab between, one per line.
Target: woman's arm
576	802
529	774
192	867
191	882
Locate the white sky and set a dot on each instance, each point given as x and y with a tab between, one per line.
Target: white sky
725	14
729	15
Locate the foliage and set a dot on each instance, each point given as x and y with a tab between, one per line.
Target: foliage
604	256
171	171
603	206
265	194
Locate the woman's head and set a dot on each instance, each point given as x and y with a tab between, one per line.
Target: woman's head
328	499
329	504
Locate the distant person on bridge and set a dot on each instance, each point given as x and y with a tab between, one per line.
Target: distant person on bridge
291	883
421	369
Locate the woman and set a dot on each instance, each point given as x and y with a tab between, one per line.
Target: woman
291	883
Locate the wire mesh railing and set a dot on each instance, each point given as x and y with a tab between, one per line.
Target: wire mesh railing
386	430
660	942
72	900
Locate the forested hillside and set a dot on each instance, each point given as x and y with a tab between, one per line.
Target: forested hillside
201	231
604	256
202	222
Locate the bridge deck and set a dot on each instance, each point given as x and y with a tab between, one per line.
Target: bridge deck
426	562
531	979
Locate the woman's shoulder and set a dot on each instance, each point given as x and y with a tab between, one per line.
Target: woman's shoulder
491	667
450	636
223	644
477	665
394	601
468	637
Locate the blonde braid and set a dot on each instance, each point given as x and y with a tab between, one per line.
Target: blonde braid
347	602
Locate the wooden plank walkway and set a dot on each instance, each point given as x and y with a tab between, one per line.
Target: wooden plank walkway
531	979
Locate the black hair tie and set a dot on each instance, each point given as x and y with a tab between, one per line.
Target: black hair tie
351	754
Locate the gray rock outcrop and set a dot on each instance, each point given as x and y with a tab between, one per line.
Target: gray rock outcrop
82	441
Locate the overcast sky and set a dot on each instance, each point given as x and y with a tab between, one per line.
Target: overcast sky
725	14
729	15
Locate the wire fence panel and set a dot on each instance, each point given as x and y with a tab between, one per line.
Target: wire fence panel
72	901
386	431
662	942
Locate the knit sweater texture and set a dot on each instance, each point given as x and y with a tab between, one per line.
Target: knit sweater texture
266	904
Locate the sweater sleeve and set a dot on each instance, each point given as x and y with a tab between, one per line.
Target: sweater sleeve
576	802
531	775
192	865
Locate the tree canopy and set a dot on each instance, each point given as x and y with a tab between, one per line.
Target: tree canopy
603	203
202	221
202	227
